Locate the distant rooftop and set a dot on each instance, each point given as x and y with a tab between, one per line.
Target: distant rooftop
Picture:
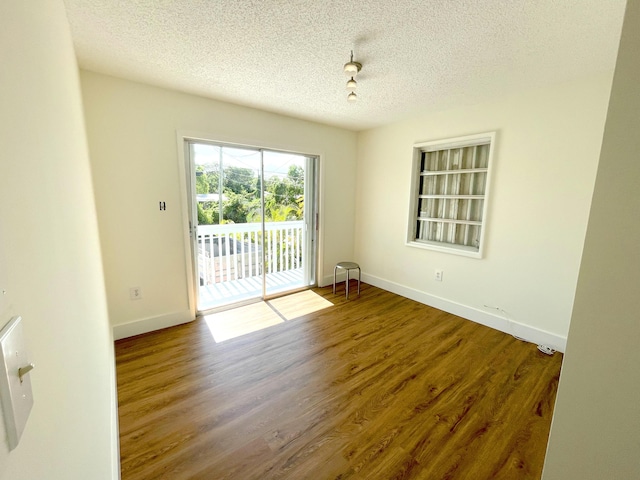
209	197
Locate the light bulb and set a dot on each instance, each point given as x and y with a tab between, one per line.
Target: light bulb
352	84
352	97
352	68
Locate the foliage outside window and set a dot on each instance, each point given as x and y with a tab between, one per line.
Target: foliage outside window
229	192
240	199
449	198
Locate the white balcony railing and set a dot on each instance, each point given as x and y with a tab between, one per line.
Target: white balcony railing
234	251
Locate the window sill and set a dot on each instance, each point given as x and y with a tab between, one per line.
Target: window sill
472	252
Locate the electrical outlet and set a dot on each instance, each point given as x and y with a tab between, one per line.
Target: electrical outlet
438	275
135	293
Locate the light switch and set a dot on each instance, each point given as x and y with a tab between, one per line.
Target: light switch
15	384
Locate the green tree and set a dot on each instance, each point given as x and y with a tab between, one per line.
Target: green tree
284	196
296	175
207	179
207	215
240	180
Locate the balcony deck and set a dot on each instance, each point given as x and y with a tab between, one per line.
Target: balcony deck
230	261
224	293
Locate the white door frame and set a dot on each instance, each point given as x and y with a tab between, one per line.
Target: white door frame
312	220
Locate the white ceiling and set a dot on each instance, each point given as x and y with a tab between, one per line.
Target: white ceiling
286	56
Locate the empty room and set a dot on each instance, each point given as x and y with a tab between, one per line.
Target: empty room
319	240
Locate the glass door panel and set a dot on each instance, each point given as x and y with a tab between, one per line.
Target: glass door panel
253	212
284	228
227	183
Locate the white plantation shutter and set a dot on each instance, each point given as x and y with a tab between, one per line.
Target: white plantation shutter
450	179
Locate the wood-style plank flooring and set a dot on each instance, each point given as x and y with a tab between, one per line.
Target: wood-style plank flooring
374	387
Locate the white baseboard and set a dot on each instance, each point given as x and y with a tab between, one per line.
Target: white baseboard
526	332
145	325
341	276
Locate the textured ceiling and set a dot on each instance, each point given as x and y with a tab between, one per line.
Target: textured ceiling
286	56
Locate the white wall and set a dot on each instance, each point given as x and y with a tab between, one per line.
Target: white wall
49	253
544	165
595	432
132	132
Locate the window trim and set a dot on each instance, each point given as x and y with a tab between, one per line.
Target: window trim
487	138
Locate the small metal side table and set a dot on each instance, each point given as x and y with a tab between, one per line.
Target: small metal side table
348	266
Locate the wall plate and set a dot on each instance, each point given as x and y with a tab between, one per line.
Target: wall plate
15	392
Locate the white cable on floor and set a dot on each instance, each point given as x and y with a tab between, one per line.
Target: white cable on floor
546	349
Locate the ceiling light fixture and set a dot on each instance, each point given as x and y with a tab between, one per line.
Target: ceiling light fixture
352	68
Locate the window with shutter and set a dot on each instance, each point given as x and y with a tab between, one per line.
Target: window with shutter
449	199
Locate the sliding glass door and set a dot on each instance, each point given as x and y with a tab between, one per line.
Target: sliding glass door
253	226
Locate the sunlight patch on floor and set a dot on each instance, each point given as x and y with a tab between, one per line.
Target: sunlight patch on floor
240	321
257	316
299	304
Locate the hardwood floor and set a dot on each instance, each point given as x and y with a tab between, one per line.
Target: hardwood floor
374	387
